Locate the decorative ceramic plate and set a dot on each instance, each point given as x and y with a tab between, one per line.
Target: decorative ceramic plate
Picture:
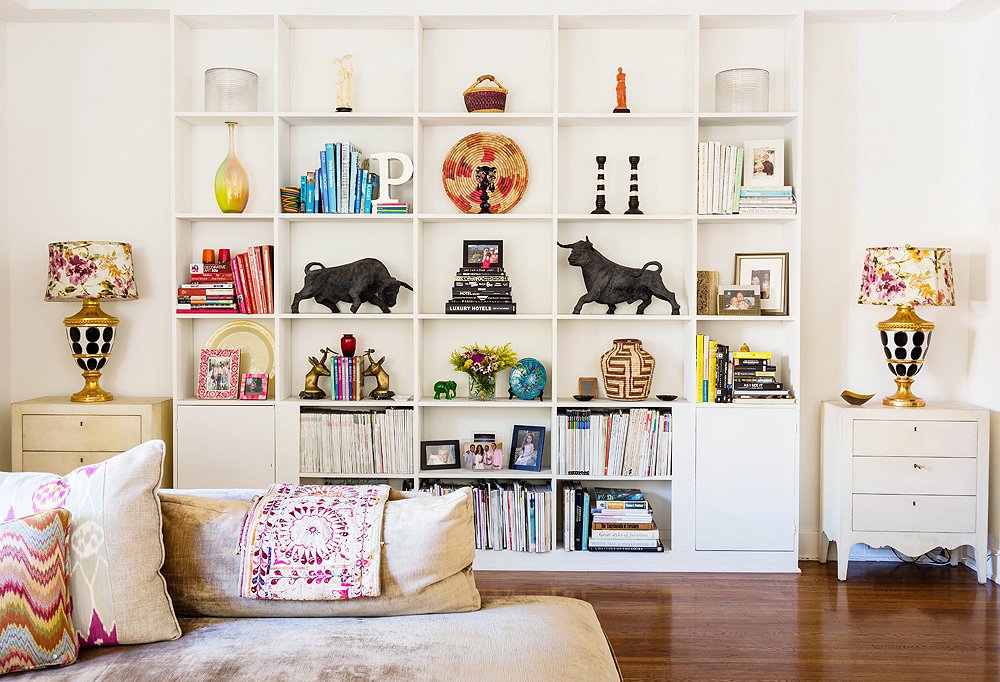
485	173
256	344
527	379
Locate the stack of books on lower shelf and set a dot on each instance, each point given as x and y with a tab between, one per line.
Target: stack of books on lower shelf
481	291
767	201
728	376
357	442
508	514
636	442
621	520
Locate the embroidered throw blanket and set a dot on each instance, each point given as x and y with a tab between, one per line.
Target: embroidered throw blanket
313	542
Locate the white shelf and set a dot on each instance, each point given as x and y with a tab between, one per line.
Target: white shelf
561	80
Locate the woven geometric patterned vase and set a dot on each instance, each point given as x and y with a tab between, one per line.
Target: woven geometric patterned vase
627	370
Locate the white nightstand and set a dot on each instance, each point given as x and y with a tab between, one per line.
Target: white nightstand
56	435
908	478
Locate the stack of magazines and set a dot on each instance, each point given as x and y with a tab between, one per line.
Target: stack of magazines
356	442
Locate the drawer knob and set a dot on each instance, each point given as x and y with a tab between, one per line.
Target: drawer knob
81	423
917	466
914	503
914	428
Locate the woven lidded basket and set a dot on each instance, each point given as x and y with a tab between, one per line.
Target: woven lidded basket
479	99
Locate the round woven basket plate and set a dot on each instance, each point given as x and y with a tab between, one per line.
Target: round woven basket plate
256	345
485	161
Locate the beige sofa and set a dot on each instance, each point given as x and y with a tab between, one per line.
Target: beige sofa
225	638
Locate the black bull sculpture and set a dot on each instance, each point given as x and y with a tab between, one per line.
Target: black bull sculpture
363	281
609	283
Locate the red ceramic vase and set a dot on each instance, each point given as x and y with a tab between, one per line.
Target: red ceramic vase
348	344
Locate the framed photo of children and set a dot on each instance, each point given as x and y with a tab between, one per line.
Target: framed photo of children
768	272
439	454
764	163
254	387
527	445
482	253
738	299
219	374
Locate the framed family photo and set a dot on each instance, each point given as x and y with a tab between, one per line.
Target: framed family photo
527	445
219	374
254	387
764	163
439	454
736	299
482	253
768	272
482	454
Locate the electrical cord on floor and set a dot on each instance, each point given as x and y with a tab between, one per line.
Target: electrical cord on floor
942	558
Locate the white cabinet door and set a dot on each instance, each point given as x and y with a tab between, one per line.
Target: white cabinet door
745	479
225	446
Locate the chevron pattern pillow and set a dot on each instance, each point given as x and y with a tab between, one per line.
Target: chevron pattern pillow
36	629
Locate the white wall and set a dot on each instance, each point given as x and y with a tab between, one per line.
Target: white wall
886	162
5	282
89	158
887	156
985	286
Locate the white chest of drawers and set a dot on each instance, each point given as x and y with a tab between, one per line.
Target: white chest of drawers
911	479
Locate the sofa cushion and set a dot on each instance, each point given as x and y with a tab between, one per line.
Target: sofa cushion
116	549
427	552
36	630
510	638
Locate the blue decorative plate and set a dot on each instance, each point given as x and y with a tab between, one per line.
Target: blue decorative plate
527	379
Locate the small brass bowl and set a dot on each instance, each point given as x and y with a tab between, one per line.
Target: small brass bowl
856	399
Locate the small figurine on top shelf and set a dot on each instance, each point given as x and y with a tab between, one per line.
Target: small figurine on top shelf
622	107
344	81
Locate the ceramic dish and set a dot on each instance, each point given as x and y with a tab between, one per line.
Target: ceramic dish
666	396
583	398
256	344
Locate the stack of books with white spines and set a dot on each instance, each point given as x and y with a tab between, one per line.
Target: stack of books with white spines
767	201
622	521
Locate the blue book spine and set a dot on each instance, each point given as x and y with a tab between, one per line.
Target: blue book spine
358	193
302	194
586	519
321	183
354	167
344	156
368	192
331	162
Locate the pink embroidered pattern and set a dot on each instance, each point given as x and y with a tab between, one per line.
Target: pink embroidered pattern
313	542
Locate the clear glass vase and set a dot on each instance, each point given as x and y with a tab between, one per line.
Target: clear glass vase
482	386
232	184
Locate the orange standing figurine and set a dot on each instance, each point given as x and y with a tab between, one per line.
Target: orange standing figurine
622	107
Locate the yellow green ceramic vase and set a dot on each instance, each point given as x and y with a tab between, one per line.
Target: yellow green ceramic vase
232	184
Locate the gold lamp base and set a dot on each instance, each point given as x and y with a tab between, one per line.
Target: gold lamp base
906	338
903	397
91	336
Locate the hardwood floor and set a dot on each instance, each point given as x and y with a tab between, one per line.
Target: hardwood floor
887	622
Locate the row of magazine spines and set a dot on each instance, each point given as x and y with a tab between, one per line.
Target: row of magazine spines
388	436
508	515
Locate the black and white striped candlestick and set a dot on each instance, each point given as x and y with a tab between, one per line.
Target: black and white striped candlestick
633	187
600	202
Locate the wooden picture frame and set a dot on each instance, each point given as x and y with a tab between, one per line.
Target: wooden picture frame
219	374
439	454
473	250
736	299
587	386
770	272
254	387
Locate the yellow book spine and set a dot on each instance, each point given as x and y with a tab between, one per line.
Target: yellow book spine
699	365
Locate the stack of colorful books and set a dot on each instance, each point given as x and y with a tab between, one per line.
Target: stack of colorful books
210	290
391	207
767	201
290	199
341	184
481	291
727	376
346	380
622	521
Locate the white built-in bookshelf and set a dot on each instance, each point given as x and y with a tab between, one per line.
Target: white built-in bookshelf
731	503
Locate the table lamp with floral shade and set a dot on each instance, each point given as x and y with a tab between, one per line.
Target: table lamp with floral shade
906	276
88	271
